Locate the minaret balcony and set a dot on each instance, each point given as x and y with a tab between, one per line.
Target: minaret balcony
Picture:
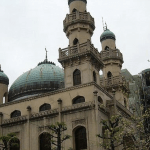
114	81
111	54
78	17
79	49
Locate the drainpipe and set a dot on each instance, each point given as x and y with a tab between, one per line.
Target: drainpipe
59	109
28	126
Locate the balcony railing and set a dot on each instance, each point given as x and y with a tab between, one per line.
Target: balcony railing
76	16
77	49
114	81
114	54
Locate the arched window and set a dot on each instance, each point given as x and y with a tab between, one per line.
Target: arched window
79	99
75	41
80	138
45	141
14	144
45	107
106	48
15	113
109	74
94	76
76	77
74	10
100	100
125	102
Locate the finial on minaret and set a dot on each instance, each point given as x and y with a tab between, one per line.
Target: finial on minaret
104	26
0	67
46	52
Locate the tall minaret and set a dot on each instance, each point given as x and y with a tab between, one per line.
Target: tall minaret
113	60
78	25
4	81
81	60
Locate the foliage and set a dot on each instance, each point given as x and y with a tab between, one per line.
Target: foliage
56	135
9	140
127	132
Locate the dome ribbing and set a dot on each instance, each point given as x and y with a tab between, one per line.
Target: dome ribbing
43	78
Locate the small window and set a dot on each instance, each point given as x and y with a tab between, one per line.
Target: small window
15	113
76	77
106	48
100	100
109	74
75	41
79	99
74	10
94	76
125	102
45	107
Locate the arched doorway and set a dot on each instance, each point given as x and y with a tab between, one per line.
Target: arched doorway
14	144
80	138
75	41
45	141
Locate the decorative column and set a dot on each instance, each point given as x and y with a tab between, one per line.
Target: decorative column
28	126
59	109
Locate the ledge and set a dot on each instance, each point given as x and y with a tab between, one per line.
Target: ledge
57	92
14	121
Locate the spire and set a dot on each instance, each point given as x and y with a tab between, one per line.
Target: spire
69	1
46	54
46	60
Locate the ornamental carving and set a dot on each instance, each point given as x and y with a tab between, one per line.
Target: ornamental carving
78	122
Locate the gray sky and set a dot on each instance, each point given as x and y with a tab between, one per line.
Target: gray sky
28	26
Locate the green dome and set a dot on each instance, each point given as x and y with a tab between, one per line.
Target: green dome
3	78
43	78
107	34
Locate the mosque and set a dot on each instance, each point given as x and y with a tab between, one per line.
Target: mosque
74	95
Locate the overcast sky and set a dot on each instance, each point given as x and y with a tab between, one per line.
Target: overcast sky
28	26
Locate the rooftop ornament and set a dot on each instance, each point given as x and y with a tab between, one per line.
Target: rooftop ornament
46	60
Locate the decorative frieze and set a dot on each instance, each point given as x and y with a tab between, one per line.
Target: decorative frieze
78	122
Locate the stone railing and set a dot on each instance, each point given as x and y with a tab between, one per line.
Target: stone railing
78	106
114	81
78	16
79	48
114	54
14	120
44	113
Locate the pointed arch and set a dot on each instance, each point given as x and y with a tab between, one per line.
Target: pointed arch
125	102
94	76
45	107
14	145
74	10
106	48
75	41
15	113
45	141
78	99
80	138
76	77
100	100
109	74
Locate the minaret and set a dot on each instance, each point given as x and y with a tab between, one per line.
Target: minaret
113	60
78	25
4	81
81	60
